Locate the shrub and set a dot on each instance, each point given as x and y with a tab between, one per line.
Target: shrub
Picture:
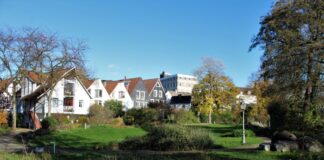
3	118
238	133
82	120
226	117
128	120
185	117
115	106
170	138
61	118
99	114
143	115
117	122
49	123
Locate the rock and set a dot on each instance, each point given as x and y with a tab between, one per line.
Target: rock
284	146
310	144
264	146
283	136
39	150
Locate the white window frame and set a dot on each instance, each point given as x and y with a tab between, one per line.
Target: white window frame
142	95
160	94
53	102
81	103
138	95
98	93
155	93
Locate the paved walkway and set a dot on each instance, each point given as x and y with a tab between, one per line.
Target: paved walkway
8	143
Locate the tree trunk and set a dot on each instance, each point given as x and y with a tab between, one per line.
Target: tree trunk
49	103
198	117
14	108
209	117
309	84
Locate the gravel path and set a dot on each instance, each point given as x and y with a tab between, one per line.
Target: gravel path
8	142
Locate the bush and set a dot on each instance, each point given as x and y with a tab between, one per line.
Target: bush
61	118
185	117
82	120
238	133
49	123
117	122
115	106
142	116
226	117
3	118
128	120
170	138
99	114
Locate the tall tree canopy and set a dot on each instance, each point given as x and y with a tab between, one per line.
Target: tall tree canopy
292	37
215	91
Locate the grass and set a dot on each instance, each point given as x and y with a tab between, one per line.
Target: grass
4	130
220	132
87	138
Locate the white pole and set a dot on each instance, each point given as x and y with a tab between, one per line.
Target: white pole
243	134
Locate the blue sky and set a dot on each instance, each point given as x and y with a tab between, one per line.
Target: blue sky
145	37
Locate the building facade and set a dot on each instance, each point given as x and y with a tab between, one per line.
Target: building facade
155	90
180	83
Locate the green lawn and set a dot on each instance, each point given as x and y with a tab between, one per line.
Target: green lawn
220	132
88	138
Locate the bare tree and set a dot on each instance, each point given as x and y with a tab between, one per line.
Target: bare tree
52	58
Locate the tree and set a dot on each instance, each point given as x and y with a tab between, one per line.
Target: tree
291	36
115	106
215	91
30	49
51	57
14	58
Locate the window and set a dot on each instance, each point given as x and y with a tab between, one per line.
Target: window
68	89
80	103
137	104
142	95
160	94
68	101
158	85
89	90
138	95
121	94
55	102
98	93
155	93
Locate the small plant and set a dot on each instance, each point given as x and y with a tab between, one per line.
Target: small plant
239	132
170	138
49	123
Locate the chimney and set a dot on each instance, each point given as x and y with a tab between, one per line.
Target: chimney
162	74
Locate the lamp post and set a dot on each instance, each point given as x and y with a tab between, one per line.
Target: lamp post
243	107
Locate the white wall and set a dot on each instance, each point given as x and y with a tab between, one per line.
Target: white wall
79	94
97	84
127	101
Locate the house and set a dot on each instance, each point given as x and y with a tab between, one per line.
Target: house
137	91
181	101
155	90
5	89
246	96
118	91
97	91
180	83
69	96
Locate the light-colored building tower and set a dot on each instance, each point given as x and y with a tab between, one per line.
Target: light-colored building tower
179	83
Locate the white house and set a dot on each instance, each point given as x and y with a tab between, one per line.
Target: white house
97	91
118	91
69	96
246	96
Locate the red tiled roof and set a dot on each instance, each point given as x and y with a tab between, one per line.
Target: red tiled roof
4	84
110	86
149	84
87	82
132	83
